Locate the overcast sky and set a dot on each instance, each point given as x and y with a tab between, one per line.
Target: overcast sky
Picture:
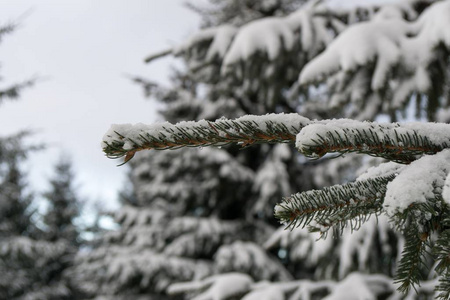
82	50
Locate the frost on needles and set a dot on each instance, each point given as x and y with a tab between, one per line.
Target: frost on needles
412	190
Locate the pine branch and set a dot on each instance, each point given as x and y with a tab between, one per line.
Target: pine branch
13	91
442	249
6	29
442	252
418	222
157	55
444	287
126	140
409	268
418	184
399	143
335	205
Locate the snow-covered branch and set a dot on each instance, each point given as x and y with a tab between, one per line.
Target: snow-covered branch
125	140
397	142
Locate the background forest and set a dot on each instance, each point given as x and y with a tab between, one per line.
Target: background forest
199	223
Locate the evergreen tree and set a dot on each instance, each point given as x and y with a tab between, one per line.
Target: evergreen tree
27	262
16	214
64	207
206	215
60	222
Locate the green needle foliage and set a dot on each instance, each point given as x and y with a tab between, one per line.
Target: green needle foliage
243	131
408	272
442	252
391	141
395	142
337	206
419	222
340	206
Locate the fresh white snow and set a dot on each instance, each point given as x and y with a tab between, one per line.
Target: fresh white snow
418	182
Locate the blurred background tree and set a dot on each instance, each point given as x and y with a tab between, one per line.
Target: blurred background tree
208	213
32	258
63	205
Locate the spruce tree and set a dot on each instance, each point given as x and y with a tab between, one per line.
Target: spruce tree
27	261
63	205
16	214
59	220
322	62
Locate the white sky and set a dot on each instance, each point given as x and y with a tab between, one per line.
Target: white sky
82	49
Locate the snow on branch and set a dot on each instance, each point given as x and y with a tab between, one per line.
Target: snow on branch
423	179
224	286
413	194
415	204
199	237
374	39
250	258
446	190
303	246
219	287
270	35
126	140
360	286
386	57
26	248
396	142
125	264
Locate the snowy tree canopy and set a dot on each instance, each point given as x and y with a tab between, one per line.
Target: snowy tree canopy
372	59
303	75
